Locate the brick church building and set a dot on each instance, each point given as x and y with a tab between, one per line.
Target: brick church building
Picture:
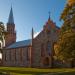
35	52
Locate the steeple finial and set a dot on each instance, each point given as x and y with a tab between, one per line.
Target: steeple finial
11	18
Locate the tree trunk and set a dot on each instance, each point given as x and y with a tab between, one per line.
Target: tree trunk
72	64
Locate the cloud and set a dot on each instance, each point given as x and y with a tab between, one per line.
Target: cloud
36	34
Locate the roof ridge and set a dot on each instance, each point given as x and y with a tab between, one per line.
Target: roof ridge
20	44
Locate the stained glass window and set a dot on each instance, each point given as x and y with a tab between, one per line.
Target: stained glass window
49	48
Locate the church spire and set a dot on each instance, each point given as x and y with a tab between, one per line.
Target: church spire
49	16
32	33
11	18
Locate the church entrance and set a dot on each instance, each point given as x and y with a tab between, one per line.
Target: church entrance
46	62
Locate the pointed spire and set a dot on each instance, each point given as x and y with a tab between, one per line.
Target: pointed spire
32	33
49	16
11	18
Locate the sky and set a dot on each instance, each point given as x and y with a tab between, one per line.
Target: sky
31	13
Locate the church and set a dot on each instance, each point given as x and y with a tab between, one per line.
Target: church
35	52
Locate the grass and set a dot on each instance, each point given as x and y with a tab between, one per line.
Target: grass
36	71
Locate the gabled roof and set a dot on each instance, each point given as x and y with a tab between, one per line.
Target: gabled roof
20	44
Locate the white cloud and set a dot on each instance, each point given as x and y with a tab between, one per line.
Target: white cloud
35	34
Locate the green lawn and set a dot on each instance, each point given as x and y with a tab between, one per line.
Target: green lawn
35	71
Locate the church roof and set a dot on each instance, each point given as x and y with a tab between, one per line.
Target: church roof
20	44
11	18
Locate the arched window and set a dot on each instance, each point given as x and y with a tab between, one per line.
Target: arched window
49	48
21	54
10	55
42	50
15	54
46	61
28	56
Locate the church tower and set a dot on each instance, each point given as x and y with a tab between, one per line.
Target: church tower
11	33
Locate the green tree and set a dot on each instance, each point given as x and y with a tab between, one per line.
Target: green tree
66	46
65	49
3	33
2	29
68	15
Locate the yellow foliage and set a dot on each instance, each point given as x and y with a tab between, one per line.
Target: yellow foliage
70	2
56	48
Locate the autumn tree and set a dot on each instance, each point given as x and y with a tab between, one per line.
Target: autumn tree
65	49
68	16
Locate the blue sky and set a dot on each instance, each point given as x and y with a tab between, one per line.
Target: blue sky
31	13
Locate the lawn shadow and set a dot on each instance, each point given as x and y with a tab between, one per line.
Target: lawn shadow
63	73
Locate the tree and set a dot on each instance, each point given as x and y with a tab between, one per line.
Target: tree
68	15
70	2
2	33
65	48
